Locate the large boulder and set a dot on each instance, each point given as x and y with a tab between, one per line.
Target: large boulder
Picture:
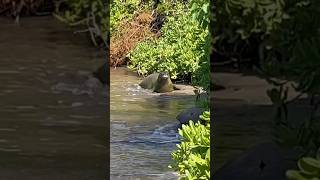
190	114
263	162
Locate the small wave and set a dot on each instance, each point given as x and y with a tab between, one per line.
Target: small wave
9	72
90	87
25	107
64	87
147	176
135	90
77	104
119	126
60	123
8	129
10	149
145	141
168	129
83	117
163	135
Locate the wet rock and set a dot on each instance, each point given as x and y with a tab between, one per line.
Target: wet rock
190	114
263	162
90	86
92	83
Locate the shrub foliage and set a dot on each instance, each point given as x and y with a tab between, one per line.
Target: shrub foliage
309	169
183	48
192	157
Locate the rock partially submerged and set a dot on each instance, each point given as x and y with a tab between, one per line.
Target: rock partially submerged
189	114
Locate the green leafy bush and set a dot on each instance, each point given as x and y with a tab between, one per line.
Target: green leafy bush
181	50
270	32
200	10
294	47
120	10
192	157
292	58
176	51
283	36
304	137
241	26
309	169
94	14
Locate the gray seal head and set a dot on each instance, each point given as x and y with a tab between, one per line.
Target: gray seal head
164	83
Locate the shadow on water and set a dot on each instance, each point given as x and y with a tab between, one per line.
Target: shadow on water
47	134
238	126
143	128
243	115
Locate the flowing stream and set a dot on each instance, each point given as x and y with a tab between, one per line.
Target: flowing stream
52	126
143	128
47	130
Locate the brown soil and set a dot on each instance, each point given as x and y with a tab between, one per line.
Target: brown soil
129	35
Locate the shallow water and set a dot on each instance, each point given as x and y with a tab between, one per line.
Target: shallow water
47	133
51	127
242	116
142	128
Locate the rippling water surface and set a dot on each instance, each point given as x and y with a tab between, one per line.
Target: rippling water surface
142	129
52	127
47	133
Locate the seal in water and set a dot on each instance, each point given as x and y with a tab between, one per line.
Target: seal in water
158	82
